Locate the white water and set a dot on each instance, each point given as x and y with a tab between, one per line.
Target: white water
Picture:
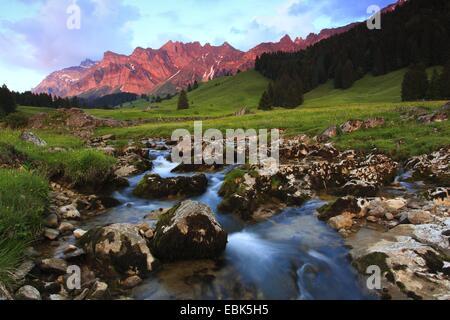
291	256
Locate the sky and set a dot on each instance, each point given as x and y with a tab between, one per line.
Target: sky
38	37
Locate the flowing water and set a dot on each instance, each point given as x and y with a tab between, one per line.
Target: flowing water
291	256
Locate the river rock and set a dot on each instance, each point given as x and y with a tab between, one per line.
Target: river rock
51	221
28	293
79	233
118	249
4	293
131	282
359	188
51	234
65	227
99	290
69	212
343	221
154	187
419	217
188	231
343	205
32	138
434	167
54	265
439	194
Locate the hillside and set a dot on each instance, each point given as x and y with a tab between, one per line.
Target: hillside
219	97
324	106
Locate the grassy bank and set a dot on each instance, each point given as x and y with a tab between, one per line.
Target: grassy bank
23	200
24	187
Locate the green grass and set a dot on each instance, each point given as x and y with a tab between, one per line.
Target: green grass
324	107
31	111
369	89
24	190
76	164
23	200
219	97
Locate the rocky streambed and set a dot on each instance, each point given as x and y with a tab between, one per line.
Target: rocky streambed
309	231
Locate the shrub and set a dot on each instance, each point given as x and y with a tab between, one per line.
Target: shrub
16	120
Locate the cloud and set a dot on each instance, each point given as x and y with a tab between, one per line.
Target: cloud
44	42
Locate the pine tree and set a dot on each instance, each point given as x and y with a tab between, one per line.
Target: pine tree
7	102
265	102
444	82
338	76
434	89
415	83
183	102
189	88
195	85
348	75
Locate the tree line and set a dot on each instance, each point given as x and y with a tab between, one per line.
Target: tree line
417	85
418	32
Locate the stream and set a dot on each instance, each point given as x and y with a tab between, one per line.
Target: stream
291	256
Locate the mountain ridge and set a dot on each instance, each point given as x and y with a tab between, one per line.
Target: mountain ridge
171	67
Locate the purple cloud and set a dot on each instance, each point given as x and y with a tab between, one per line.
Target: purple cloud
44	42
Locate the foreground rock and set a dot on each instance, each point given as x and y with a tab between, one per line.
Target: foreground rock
154	187
118	249
28	293
188	231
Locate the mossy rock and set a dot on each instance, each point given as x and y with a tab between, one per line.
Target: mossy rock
154	187
188	231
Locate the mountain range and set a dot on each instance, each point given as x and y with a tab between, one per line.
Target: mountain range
168	69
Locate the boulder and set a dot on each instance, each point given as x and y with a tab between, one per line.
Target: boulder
154	187
438	194
4	293
28	293
118	249
51	234
32	138
340	206
373	123
51	221
131	282
69	212
359	188
188	231
54	265
351	126
99	290
419	217
343	221
434	167
329	133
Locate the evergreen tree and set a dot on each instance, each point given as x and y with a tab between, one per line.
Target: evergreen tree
338	76
183	102
7	102
189	88
265	103
434	89
195	85
444	82
415	84
348	75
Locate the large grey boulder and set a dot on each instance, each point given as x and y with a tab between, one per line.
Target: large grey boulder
118	249
188	231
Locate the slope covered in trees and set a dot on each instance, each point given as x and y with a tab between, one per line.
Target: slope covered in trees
417	32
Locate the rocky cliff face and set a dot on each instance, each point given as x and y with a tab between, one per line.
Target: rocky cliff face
169	68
